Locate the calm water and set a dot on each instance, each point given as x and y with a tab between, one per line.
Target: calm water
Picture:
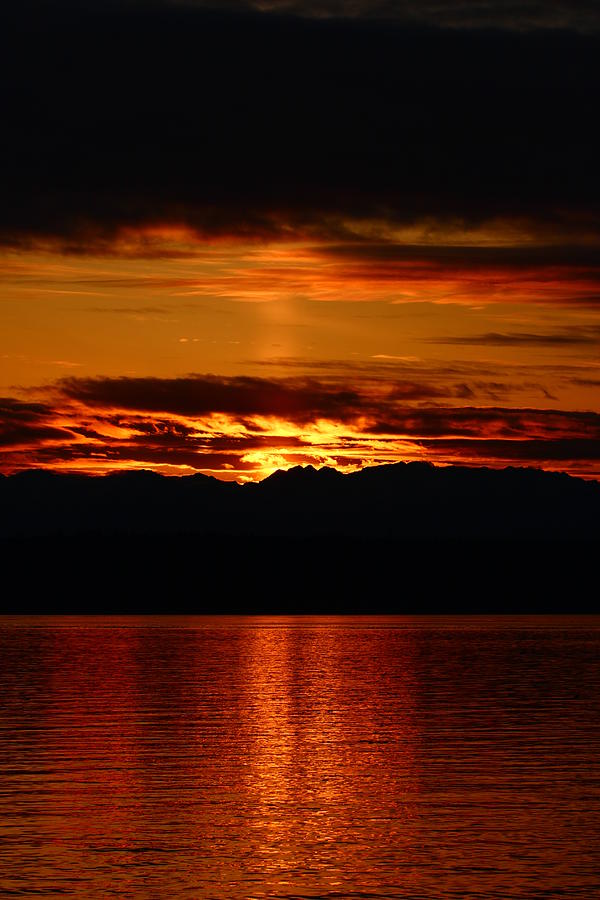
327	757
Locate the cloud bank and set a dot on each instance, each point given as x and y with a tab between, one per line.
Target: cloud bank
246	427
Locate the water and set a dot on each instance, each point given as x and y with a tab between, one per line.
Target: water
323	757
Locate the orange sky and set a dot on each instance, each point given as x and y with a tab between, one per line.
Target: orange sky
413	324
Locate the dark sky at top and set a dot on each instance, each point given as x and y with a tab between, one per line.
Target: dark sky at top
238	121
582	15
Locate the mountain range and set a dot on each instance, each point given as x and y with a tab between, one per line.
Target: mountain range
407	537
403	500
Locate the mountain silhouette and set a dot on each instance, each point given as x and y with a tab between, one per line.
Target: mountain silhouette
402	500
404	537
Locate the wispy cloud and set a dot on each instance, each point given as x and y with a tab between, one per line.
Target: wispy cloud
567	336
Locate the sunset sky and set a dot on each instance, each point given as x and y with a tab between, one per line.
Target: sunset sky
234	240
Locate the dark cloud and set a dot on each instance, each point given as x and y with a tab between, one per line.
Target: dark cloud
569	335
586	382
245	123
581	260
297	399
576	14
26	423
395	407
120	422
557	450
490	422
